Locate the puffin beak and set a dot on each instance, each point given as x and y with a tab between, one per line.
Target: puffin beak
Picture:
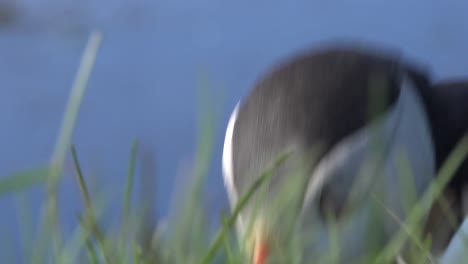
261	252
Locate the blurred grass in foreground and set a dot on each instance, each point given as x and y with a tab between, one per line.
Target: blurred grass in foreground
186	237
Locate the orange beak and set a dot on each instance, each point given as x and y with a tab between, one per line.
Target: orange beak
261	252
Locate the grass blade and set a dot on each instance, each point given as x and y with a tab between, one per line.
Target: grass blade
21	180
129	187
49	214
89	216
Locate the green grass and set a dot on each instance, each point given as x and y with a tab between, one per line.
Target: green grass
187	237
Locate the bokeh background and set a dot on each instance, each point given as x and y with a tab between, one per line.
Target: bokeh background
154	58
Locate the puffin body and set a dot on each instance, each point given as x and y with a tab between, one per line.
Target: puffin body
349	117
447	108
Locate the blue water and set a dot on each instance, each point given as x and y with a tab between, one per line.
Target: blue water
153	58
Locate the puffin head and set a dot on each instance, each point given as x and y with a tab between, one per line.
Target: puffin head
348	117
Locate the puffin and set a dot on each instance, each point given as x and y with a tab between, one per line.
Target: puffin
363	130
